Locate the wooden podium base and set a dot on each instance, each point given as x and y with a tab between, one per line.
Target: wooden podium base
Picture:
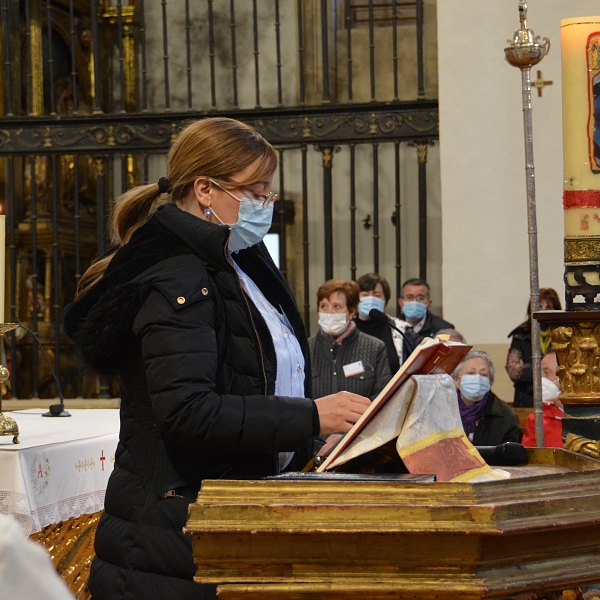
535	533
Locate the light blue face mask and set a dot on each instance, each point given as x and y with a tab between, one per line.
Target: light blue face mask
366	304
414	311
474	387
254	222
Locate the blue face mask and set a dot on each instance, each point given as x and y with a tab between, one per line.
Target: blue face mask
254	222
414	311
366	304
474	387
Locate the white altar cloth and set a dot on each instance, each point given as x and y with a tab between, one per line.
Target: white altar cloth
61	467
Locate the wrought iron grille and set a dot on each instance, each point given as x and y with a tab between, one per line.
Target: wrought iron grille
96	90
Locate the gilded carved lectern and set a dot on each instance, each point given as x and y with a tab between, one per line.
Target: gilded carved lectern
533	535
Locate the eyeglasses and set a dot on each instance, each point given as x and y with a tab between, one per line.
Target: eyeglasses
264	199
420	298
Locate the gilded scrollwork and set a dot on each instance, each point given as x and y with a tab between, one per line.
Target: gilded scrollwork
578	353
581	445
348	127
5	137
422	153
90	134
373	124
327	153
577	250
306	132
89	139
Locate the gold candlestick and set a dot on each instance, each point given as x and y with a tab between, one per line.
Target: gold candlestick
8	426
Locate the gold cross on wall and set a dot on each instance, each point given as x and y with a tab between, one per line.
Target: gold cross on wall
539	83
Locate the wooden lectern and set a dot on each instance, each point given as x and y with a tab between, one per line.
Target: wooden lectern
534	533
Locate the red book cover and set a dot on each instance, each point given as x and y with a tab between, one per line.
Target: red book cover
431	356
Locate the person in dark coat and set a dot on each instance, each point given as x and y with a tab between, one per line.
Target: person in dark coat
415	302
202	331
487	420
375	293
341	356
518	359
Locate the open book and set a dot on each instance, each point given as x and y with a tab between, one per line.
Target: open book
431	356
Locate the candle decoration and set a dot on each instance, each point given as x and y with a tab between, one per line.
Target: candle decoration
580	45
8	426
576	331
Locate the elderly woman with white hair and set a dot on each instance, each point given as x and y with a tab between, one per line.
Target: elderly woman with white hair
486	419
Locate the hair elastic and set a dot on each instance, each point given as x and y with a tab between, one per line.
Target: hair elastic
164	187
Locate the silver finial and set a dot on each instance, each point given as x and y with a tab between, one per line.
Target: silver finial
525	51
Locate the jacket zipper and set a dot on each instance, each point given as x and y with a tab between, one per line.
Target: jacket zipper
260	351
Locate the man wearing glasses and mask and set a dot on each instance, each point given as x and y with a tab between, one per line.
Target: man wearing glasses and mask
415	303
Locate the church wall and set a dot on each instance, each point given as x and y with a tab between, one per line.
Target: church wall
485	272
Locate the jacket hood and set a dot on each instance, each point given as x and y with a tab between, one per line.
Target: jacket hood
100	320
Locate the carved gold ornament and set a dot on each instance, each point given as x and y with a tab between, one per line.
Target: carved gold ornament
578	352
577	250
581	445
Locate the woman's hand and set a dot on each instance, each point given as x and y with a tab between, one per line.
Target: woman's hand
338	412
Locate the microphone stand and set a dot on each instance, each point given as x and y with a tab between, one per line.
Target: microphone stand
381	317
54	410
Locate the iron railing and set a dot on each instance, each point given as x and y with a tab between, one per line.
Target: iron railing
94	93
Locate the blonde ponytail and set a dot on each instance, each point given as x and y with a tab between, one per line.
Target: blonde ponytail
133	209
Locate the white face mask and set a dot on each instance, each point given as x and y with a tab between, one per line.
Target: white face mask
333	324
550	391
474	387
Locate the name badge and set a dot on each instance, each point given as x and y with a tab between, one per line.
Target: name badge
355	368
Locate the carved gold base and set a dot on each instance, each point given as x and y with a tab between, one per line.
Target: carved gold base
71	548
577	349
575	338
8	426
581	445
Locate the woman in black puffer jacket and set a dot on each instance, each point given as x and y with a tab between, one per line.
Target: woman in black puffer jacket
202	331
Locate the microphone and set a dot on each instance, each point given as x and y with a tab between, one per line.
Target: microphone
504	455
54	410
381	317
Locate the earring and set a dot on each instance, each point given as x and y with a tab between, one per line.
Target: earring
207	211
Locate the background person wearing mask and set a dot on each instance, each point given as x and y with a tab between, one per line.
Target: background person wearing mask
375	293
342	357
487	420
552	408
518	359
415	303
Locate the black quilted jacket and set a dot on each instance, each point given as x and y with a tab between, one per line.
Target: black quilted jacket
196	366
